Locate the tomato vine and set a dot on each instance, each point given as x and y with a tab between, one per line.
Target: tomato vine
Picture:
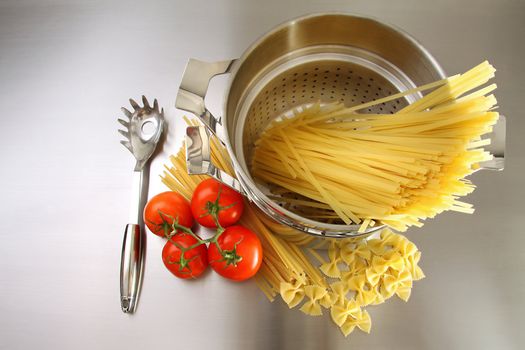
230	257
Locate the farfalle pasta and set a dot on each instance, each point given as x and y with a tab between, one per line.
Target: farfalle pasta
330	268
368	295
352	251
399	282
339	292
315	295
355	282
367	273
292	293
362	321
341	311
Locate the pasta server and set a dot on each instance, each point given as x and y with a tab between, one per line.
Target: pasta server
143	129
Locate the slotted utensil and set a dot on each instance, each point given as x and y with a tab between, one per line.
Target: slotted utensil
143	129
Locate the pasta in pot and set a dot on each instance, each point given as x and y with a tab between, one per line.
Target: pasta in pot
367	168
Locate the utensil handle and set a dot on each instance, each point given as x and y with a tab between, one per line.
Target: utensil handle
139	194
193	88
198	158
134	244
131	267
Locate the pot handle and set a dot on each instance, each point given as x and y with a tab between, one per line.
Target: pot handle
193	88
497	146
198	158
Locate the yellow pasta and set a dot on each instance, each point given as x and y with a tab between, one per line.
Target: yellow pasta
292	294
339	292
315	294
342	311
396	169
334	278
330	268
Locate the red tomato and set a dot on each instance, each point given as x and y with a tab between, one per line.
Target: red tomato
190	265
243	252
231	204
160	210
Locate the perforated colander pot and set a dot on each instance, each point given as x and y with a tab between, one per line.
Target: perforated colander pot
322	57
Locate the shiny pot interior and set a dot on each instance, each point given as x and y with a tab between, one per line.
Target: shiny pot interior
323	57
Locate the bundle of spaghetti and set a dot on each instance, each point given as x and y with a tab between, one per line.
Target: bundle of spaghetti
344	276
396	169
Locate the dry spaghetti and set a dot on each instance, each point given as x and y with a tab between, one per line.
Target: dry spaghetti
396	169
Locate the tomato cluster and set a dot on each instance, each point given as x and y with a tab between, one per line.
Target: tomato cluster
234	252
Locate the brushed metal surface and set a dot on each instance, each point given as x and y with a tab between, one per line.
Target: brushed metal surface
65	69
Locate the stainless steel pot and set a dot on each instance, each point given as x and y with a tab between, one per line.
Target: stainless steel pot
327	57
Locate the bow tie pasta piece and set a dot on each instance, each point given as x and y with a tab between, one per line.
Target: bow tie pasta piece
356	283
379	297
376	270
379	264
405	247
362	321
349	252
312	308
417	273
357	267
330	269
404	291
394	260
333	250
339	291
291	294
398	243
326	301
412	265
362	251
314	293
341	312
376	246
389	237
365	293
398	281
373	276
347	328
385	294
299	279
366	296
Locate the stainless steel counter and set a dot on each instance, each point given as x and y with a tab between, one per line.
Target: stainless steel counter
66	67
